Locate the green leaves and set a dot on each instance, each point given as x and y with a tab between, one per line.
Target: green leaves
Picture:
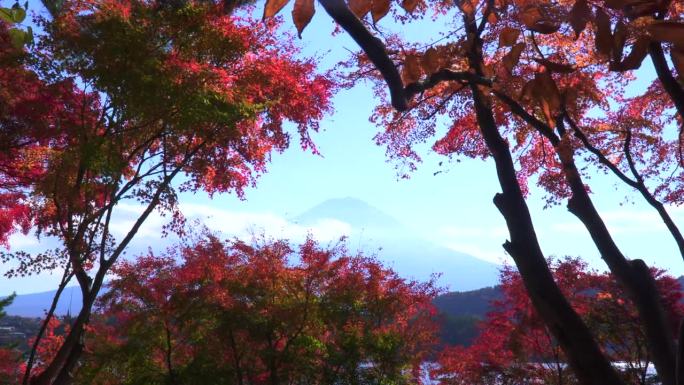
16	15
53	6
13	15
4	302
20	37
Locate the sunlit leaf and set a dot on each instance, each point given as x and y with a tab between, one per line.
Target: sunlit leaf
272	7
411	71
645	8
536	19
18	14
410	5
604	36
527	91
6	15
431	61
302	13
53	6
511	59
616	4
570	96
619	40
637	55
677	55
29	36
467	7
508	36
379	8
360	7
580	14
547	94
488	70
670	31
556	67
17	37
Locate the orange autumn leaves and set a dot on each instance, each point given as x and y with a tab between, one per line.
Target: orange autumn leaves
550	38
542	56
303	10
416	65
615	25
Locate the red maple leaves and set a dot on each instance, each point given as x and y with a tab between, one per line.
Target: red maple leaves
115	102
255	313
514	345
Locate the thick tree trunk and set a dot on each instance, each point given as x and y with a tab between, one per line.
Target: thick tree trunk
584	355
59	370
668	81
634	276
680	355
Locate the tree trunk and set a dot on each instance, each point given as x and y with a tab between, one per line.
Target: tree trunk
668	81
59	370
55	300
634	276
584	355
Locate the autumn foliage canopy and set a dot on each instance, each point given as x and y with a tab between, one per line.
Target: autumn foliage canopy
137	100
116	101
514	346
234	313
544	89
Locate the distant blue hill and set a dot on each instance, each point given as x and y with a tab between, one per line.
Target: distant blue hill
37	304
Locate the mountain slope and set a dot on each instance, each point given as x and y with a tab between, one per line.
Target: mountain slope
377	233
461	312
373	233
357	213
475	303
37	304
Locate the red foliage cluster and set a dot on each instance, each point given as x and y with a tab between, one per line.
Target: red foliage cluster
11	367
114	101
515	346
261	314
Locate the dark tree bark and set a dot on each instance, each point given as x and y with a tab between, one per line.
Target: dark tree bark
670	84
585	357
61	368
55	300
634	275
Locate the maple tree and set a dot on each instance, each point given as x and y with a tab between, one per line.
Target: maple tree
116	101
263	313
514	346
522	81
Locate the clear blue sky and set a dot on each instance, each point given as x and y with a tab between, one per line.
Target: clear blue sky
453	208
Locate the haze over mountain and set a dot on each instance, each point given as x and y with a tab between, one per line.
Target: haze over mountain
373	231
355	212
369	230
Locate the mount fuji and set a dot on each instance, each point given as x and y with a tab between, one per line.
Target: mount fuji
368	230
376	232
